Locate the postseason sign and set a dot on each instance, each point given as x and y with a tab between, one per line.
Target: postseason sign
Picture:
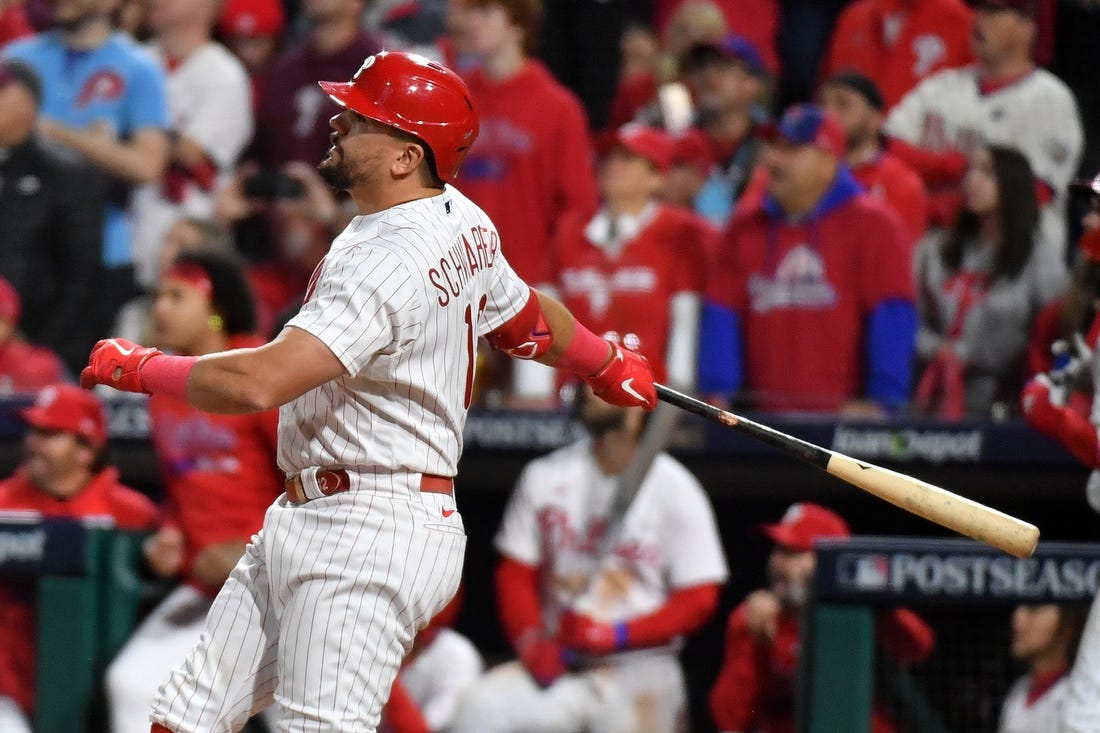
880	570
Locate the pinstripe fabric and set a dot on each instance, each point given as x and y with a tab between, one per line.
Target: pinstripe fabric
318	614
325	603
391	301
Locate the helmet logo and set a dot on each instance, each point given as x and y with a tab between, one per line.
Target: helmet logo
366	65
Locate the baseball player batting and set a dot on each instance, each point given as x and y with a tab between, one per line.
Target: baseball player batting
374	378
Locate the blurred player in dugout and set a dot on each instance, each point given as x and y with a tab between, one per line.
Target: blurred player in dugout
594	596
219	473
756	686
64	474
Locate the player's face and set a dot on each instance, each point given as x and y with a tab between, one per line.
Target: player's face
789	573
858	118
359	149
979	189
181	316
1034	630
52	456
481	30
625	176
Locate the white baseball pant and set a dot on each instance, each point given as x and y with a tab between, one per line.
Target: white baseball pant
320	612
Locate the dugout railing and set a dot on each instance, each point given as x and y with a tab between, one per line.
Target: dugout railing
86	596
957	577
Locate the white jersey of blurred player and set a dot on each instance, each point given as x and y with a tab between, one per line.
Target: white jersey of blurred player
400	299
438	675
1036	115
12	719
668	540
1020	716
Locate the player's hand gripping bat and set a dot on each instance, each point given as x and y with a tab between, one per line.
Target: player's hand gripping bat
963	515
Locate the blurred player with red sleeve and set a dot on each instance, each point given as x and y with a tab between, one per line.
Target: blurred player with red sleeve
810	301
64	474
756	686
533	157
899	42
856	102
638	266
219	473
24	367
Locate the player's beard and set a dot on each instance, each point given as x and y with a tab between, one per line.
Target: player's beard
343	173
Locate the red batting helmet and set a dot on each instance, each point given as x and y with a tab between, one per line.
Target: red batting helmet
417	96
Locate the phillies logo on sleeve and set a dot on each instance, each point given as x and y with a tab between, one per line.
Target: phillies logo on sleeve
101	86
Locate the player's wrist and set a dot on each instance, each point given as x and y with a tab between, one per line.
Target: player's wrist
167	375
587	354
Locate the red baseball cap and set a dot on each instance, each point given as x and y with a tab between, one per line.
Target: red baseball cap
10	305
251	18
808	124
803	523
692	149
646	142
68	408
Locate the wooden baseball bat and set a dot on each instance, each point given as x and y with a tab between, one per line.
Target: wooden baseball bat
946	509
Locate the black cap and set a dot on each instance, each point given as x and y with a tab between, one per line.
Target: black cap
17	71
860	84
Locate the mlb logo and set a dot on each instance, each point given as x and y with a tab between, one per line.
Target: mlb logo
864	572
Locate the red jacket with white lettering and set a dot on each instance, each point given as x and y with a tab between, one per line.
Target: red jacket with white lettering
103	498
628	291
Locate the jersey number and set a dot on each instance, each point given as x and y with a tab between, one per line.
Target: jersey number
471	347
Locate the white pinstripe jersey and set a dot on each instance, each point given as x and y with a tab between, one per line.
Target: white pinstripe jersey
1036	115
400	299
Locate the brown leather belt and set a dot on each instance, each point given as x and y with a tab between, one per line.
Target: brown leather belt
335	481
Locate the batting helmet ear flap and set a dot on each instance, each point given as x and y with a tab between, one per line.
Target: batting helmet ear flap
417	96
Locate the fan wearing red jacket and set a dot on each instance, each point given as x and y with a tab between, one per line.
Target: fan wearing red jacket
219	473
756	685
635	267
810	300
899	42
534	155
24	367
64	474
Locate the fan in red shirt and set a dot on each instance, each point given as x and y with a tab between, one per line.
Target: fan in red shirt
64	474
219	473
899	42
756	20
756	685
638	265
856	102
24	367
533	157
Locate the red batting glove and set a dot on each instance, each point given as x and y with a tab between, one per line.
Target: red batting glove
626	380
586	635
117	363
542	657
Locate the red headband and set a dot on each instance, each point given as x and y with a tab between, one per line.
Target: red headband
193	275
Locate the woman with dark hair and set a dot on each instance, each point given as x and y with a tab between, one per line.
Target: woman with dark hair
980	285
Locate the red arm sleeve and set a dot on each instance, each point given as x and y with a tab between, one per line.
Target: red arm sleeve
734	697
684	611
517	587
935	168
402	713
905	635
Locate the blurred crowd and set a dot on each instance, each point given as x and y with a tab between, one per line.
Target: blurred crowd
861	208
870	208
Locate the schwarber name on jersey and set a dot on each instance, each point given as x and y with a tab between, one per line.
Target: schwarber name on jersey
401	304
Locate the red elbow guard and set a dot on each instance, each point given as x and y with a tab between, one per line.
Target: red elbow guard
525	335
